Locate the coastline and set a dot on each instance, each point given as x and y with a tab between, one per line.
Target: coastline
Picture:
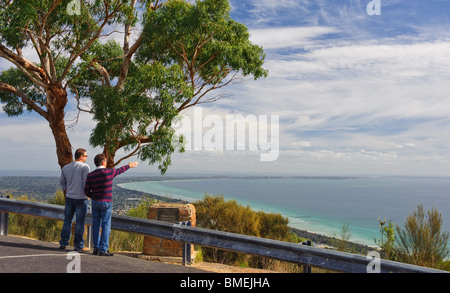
318	240
41	188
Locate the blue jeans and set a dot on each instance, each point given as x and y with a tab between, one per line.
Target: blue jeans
79	208
101	218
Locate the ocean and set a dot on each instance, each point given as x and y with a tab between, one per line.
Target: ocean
322	205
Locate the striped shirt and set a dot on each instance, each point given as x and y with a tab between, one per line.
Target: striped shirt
99	183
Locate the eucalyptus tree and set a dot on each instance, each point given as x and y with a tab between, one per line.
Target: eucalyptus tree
171	55
186	52
58	37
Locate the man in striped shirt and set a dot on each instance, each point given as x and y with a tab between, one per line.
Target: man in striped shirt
98	187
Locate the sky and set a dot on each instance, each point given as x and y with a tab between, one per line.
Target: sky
355	87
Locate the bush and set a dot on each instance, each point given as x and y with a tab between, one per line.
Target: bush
58	199
214	213
127	241
34	227
421	241
387	240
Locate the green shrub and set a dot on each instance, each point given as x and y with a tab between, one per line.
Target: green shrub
213	212
421	242
34	227
127	241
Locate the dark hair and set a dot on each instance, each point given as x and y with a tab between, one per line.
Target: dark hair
79	153
99	159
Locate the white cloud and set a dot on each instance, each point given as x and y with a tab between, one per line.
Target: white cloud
287	37
273	6
266	11
38	133
360	80
371	101
302	144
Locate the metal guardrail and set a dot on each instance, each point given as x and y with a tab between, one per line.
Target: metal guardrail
290	252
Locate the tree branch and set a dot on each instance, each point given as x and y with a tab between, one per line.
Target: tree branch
44	20
36	74
132	153
103	72
74	55
129	52
25	99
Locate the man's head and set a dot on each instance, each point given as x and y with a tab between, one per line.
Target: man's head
81	155
99	160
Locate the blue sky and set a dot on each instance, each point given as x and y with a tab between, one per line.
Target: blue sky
355	94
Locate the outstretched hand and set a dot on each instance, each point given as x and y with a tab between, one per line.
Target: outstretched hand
133	165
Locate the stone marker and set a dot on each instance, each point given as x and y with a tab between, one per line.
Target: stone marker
172	213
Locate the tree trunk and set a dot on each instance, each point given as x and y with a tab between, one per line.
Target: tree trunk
63	145
110	156
57	100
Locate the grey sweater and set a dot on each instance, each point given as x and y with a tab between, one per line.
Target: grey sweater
73	179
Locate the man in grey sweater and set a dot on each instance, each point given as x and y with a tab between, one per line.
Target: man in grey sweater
72	181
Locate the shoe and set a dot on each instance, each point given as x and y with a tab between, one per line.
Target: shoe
62	247
96	251
107	253
81	250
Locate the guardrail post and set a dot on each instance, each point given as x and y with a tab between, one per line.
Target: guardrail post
186	248
4	222
89	240
306	268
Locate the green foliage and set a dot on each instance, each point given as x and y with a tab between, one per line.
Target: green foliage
66	32
125	241
421	242
214	213
12	105
186	51
85	78
127	115
387	240
203	39
34	227
58	199
229	216
141	210
57	37
342	243
273	226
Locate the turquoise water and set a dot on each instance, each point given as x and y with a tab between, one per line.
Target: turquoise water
321	205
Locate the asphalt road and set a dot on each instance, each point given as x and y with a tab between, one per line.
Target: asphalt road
23	255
